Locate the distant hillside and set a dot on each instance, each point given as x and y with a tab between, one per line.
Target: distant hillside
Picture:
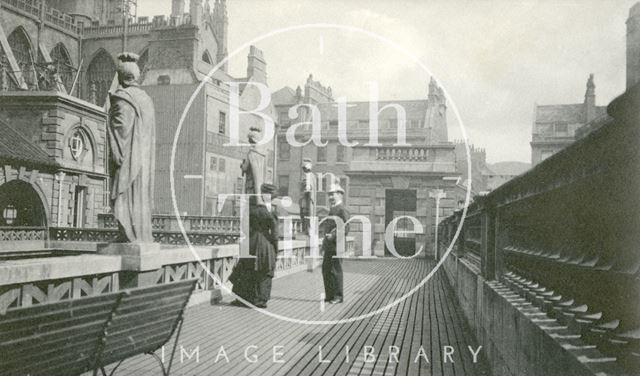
509	167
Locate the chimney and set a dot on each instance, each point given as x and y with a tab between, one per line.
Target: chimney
256	66
590	100
177	8
633	45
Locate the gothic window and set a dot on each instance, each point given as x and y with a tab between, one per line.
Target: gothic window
22	51
100	74
64	68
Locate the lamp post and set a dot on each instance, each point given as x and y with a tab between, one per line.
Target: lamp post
437	194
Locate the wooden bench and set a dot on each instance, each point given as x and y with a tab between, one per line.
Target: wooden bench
87	334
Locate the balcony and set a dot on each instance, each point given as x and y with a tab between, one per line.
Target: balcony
403	159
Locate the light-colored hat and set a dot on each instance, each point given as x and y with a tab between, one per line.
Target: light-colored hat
335	187
306	164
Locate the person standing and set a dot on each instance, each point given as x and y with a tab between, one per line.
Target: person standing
132	129
332	266
264	242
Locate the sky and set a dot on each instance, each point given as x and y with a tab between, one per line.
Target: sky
494	59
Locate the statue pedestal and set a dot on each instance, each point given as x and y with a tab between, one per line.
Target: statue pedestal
140	262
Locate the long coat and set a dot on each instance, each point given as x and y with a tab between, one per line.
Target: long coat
132	140
263	239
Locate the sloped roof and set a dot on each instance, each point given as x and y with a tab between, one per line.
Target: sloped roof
17	148
509	168
286	95
568	113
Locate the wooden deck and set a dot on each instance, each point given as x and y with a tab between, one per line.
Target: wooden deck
429	319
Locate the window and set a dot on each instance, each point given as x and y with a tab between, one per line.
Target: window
339	153
333	124
79	206
284	150
322	154
363	124
283	185
222	123
206	58
221	164
77	145
9	214
322	198
213	164
562	128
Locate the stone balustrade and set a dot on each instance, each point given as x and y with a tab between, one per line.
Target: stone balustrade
565	236
50	16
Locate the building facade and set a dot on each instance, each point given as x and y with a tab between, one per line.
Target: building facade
555	126
384	180
72	49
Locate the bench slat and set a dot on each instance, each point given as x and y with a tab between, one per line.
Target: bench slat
152	343
132	322
43	327
29	316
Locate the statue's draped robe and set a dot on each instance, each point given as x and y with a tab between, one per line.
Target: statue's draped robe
132	141
253	169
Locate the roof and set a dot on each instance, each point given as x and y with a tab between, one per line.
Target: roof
16	147
286	95
414	109
567	113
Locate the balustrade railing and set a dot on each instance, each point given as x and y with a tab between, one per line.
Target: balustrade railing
50	15
569	229
414	153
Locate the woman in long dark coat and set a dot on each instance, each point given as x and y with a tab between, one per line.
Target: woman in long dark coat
251	278
264	241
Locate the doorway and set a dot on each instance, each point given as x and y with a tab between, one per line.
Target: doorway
401	202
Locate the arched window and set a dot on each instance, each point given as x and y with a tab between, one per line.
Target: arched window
100	74
64	67
22	51
206	57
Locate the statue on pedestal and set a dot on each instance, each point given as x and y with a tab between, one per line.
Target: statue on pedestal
253	168
307	201
132	141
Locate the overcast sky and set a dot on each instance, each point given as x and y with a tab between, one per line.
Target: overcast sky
496	59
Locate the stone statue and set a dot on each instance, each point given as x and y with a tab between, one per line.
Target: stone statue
132	140
253	167
307	200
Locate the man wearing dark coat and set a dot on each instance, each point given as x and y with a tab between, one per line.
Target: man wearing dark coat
332	266
132	140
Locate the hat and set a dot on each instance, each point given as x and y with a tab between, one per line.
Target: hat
335	187
128	70
306	164
268	189
254	132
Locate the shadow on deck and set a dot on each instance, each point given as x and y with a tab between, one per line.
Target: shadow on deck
410	338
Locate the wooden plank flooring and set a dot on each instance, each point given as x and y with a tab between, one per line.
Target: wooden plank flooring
410	338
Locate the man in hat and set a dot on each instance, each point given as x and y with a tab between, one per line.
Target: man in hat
132	140
331	265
